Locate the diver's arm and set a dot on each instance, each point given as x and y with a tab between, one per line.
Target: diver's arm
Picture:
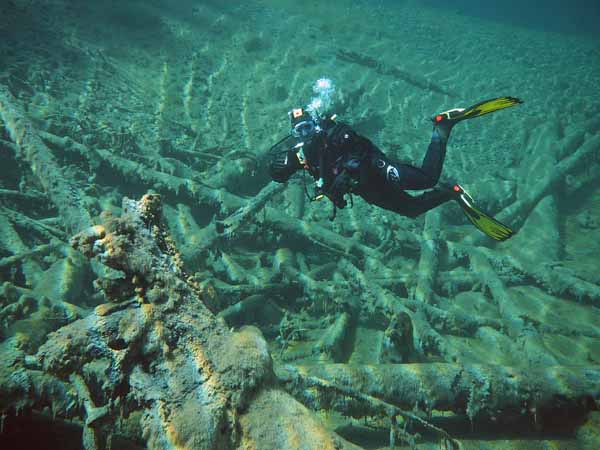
281	159
283	165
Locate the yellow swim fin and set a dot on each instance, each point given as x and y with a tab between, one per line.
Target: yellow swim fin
486	224
478	109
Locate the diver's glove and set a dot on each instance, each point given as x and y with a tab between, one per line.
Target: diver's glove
342	185
283	165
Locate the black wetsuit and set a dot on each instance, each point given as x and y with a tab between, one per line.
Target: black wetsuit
349	162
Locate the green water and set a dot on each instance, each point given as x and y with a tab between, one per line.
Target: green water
185	98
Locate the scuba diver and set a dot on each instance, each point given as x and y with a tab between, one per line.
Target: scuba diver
343	162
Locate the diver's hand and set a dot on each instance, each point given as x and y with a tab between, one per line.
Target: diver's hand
283	165
341	186
339	201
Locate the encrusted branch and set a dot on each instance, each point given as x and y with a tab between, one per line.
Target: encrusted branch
519	210
252	206
65	195
373	405
429	261
295	229
160	181
478	390
36	251
383	68
500	295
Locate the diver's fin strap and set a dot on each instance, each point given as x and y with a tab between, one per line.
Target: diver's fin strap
488	106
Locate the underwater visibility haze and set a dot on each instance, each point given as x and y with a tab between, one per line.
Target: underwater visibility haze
276	224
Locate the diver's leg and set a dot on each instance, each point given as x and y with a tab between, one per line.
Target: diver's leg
403	203
408	177
384	181
429	173
435	156
420	204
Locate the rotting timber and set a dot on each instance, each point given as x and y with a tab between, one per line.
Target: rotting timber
135	368
377	294
158	356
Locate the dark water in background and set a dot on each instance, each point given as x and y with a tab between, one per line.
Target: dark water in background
564	16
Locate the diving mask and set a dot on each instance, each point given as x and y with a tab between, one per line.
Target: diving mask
303	124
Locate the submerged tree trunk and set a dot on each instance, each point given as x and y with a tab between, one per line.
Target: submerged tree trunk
156	365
